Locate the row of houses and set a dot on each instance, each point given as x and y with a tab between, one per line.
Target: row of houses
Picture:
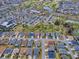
68	7
30	34
6	2
29	16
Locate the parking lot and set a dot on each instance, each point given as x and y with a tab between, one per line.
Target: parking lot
17	46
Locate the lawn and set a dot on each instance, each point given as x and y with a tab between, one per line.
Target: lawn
58	56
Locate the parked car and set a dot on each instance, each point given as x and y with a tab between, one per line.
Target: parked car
63	51
2	49
65	57
7	53
5	40
30	43
29	53
23	51
73	42
51	53
38	43
61	46
12	41
31	34
20	34
24	43
1	34
1	42
15	53
18	42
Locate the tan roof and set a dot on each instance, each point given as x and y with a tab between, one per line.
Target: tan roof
23	51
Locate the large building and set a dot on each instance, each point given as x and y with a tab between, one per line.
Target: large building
6	25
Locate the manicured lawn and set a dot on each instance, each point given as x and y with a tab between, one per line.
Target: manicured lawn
58	56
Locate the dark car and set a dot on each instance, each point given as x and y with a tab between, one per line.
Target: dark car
38	43
24	43
18	43
30	43
31	34
51	54
8	51
12	41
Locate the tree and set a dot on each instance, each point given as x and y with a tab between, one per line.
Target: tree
57	22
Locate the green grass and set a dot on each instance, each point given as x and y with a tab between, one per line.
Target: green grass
40	27
58	56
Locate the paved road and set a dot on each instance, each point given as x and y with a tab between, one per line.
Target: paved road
43	49
72	55
65	41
